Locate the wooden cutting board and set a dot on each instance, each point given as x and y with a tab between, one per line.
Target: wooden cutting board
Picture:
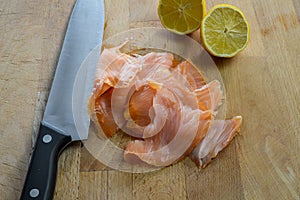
262	84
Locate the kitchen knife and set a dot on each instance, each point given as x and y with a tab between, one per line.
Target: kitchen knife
57	129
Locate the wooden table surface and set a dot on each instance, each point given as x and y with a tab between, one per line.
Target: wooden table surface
262	84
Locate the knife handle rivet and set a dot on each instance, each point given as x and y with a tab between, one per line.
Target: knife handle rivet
47	139
34	193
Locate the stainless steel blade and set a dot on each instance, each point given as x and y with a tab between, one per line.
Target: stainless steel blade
84	33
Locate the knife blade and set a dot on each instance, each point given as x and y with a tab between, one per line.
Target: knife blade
84	34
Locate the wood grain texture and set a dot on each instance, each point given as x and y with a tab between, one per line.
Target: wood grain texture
262	84
21	55
93	185
165	184
120	185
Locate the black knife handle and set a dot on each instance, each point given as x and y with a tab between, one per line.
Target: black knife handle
41	175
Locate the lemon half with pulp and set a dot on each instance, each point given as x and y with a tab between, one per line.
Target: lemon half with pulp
181	16
225	31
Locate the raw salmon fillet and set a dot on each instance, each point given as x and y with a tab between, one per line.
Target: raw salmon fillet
166	106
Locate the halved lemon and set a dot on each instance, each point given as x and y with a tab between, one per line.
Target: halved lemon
181	16
225	31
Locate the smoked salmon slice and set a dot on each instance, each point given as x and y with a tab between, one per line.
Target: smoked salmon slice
166	106
218	137
191	74
210	96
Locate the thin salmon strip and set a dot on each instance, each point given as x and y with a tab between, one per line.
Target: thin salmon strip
191	74
106	76
210	96
140	103
104	114
218	137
